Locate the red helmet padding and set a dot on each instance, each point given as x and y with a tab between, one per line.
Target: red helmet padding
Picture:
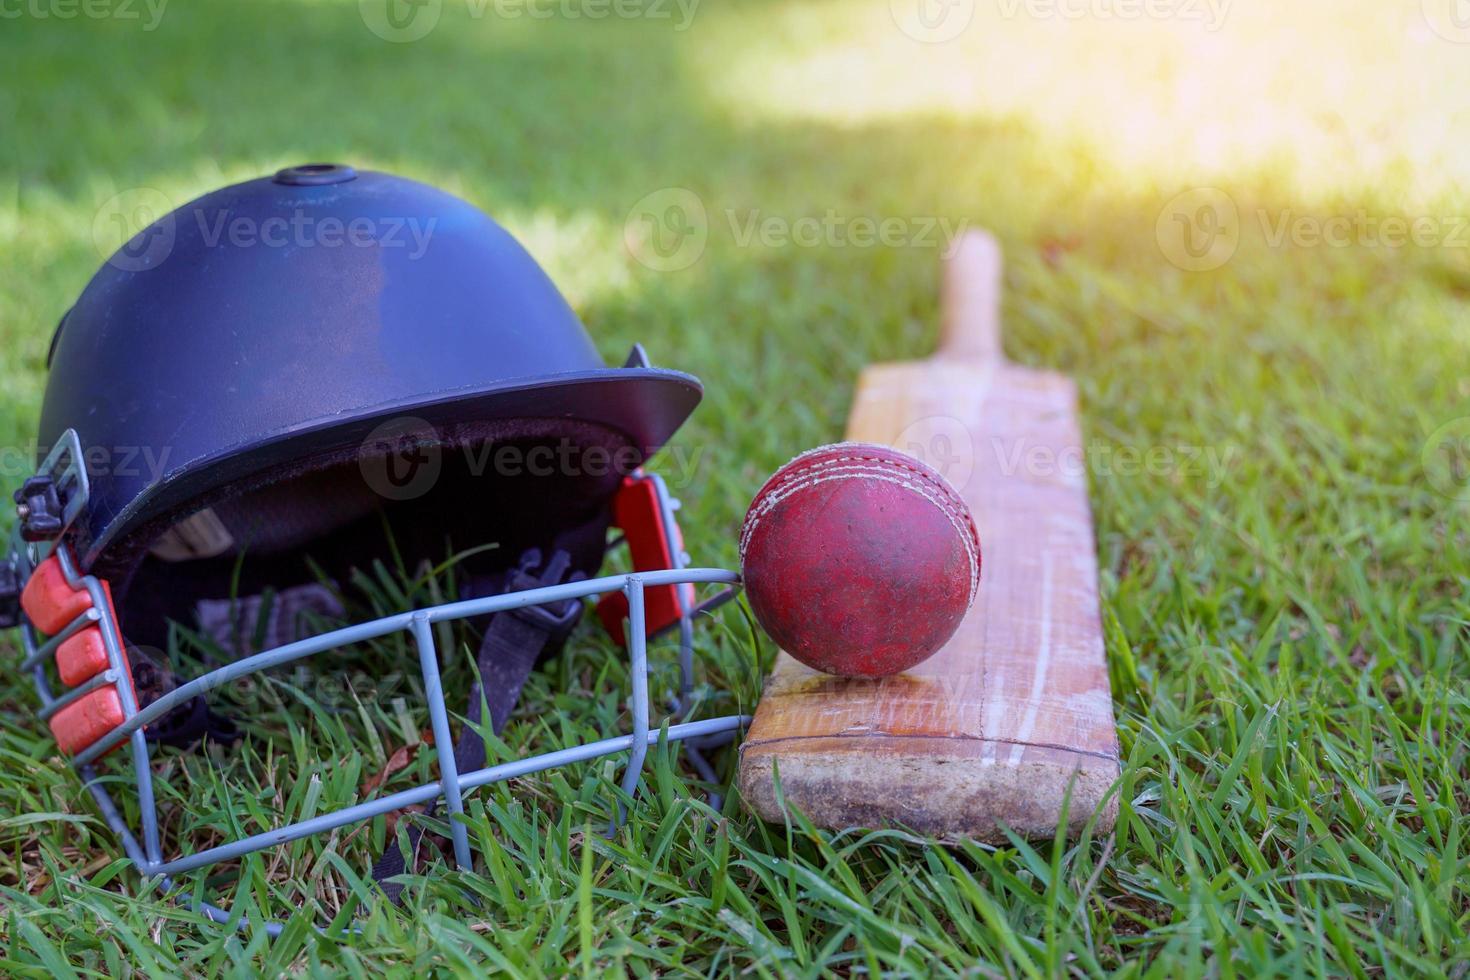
49	602
651	546
87	719
81	657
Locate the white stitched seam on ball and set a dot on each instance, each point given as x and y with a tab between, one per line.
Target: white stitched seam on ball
884	460
854	473
874	465
873	473
880	471
881	461
868	466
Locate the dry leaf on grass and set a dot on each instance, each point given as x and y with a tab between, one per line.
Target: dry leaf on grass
397	762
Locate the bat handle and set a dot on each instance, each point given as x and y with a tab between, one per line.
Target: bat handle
970	300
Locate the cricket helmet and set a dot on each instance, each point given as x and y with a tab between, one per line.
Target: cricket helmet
281	381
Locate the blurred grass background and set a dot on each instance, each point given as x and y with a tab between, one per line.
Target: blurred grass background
1287	632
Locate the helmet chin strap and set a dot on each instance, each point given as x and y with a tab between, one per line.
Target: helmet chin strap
515	641
189	723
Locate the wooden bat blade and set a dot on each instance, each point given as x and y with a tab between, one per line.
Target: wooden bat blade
1015	712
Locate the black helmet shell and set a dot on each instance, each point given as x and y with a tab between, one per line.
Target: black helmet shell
287	317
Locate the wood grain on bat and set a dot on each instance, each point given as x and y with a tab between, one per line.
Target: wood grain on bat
994	729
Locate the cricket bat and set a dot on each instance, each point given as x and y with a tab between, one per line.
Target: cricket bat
1011	723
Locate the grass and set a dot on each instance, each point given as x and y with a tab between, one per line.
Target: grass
1287	629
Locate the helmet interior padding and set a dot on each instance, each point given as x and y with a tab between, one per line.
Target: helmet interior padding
322	518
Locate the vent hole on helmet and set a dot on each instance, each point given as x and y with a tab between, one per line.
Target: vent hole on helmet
315	174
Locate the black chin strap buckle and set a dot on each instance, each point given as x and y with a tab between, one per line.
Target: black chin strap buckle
187	723
555	619
38	508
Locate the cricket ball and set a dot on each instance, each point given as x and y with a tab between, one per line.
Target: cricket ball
859	560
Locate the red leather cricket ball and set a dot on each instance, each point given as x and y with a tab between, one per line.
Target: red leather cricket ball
859	560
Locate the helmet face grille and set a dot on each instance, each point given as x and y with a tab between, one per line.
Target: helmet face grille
146	847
